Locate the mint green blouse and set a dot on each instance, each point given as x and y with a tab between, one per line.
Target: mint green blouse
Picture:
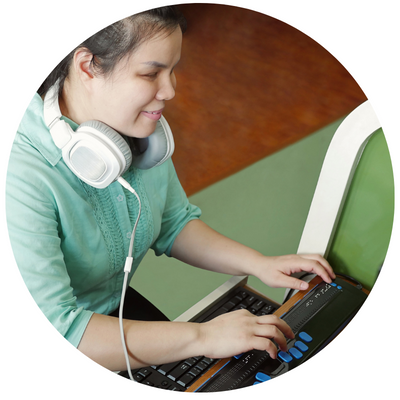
69	239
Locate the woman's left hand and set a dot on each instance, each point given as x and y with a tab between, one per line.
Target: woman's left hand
277	271
199	245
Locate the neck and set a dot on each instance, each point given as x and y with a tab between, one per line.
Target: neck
72	102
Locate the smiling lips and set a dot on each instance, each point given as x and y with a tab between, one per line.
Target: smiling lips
154	115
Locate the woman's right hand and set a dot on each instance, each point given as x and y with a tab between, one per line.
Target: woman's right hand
239	331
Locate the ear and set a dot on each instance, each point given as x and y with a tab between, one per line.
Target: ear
82	63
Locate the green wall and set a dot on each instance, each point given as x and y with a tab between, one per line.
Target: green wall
265	207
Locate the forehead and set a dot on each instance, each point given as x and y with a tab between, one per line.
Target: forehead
163	48
165	43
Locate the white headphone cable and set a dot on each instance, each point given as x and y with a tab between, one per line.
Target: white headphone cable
127	269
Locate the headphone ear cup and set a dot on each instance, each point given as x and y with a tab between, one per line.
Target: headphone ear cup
156	149
121	147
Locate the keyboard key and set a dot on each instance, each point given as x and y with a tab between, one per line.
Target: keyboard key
285	356
178	371
295	353
237	300
138	377
261	377
164	384
195	371
185	379
267	309
240	307
191	361
177	388
242	295
305	337
301	346
249	301
166	368
259	304
145	372
229	305
202	366
217	313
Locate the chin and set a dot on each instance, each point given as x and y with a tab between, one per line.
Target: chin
139	135
142	131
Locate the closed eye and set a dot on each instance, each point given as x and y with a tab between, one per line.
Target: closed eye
153	75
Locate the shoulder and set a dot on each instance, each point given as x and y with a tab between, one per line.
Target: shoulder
34	162
33	137
161	175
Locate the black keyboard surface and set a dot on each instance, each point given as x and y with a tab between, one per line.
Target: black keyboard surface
180	375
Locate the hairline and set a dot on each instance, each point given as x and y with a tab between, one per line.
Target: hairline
155	33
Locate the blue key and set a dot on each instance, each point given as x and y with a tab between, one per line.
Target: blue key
238	356
261	377
285	356
256	383
295	353
339	287
305	337
333	284
301	346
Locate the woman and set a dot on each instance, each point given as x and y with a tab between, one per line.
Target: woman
70	239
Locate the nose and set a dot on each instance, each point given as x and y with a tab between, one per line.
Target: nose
167	88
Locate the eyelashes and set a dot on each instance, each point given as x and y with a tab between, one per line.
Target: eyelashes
154	75
151	76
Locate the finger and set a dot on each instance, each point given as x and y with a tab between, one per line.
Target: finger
273	333
324	263
309	264
279	323
291	282
262	343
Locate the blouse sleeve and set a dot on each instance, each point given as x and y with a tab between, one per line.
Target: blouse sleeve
34	234
178	211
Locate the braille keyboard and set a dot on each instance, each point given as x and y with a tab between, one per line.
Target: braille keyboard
315	320
180	375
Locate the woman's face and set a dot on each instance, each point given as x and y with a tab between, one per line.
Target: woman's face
132	98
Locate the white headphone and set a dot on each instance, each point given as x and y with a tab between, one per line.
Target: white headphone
99	155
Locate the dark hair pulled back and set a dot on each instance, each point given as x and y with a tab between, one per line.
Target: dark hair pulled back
117	40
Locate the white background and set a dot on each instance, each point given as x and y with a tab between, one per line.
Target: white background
37	362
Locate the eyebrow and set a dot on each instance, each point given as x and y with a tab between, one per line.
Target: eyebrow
155	64
158	64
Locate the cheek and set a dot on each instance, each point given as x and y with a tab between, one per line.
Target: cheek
122	106
139	101
173	81
126	109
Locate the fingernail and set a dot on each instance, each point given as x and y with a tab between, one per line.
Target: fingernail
303	286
